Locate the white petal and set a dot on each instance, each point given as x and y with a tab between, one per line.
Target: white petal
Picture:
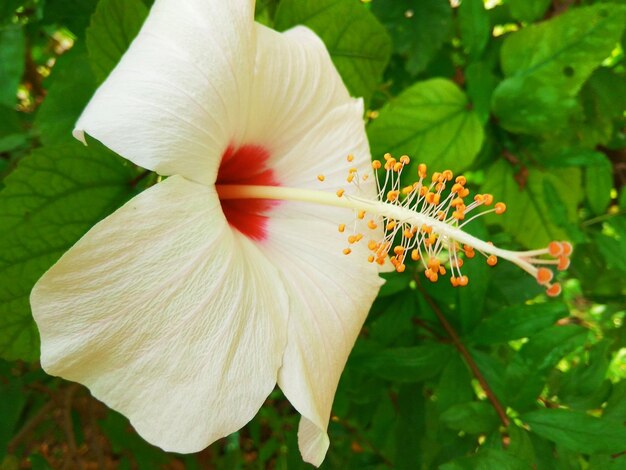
295	85
168	316
174	102
330	296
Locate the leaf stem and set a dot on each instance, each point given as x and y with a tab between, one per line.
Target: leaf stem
456	340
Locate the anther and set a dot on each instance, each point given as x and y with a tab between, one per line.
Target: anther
340	192
321	177
342	227
372	225
554	290
405	160
544	276
350	157
415	255
376	165
500	207
492	260
347	251
361	214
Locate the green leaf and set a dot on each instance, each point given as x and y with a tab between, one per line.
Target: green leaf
529	216
7	10
418	28
480	82
474	25
454	385
52	198
11	62
431	122
410	409
113	26
598	185
358	44
616	404
474	417
411	364
578	431
12	402
67	96
613	246
518	321
528	10
545	349
488	459
547	64
73	14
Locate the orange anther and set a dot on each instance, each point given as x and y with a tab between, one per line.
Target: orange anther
479	198
435	177
567	248
463	281
555	249
347	251
433	277
440	187
544	276
405	160
454	281
427	229
441	215
423	190
464	192
459	263
563	263
448	175
376	164
442	270
407	190
380	260
554	290
415	255
500	207
370	258
352	239
340	192
391	225
350	157
359	237
350	178
434	263
397	167
398	250
387	156
461	180
421	170
457	201
365	177
361	214
392	195
342	227
371	224
321	177
469	253
408	233
492	260
393	260
400	268
458	215
488	199
456	188
372	245
431	240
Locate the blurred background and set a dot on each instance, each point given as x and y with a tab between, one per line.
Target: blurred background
526	97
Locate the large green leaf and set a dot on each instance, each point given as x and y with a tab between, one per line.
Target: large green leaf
11	62
474	25
431	122
547	64
527	10
113	26
49	202
475	417
418	28
67	96
358	44
578	431
518	321
530	217
412	364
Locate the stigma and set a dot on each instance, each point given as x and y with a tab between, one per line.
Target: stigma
424	223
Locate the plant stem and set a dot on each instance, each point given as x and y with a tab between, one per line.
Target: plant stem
504	419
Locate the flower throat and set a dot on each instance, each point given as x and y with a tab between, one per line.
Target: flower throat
422	222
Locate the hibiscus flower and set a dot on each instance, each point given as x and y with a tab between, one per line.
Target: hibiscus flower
183	311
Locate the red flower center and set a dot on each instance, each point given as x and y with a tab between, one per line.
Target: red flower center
247	165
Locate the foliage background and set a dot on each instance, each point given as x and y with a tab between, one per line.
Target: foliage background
527	97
